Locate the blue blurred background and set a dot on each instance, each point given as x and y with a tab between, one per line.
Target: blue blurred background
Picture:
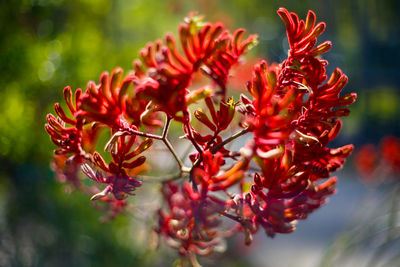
48	44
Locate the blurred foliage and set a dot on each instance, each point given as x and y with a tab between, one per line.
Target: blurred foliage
48	44
376	241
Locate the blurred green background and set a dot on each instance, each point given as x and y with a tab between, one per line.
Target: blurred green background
48	44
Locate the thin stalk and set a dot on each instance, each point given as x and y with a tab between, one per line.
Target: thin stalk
166	127
139	133
191	138
163	138
163	179
182	168
230	139
175	155
232	217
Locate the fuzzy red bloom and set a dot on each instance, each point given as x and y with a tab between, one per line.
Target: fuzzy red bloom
270	114
293	113
391	152
105	102
220	120
119	182
366	160
208	175
66	171
376	164
279	215
111	206
206	47
294	117
192	222
190	225
68	139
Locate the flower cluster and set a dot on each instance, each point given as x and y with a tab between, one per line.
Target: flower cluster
279	176
375	164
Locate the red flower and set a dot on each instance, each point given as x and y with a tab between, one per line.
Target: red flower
119	182
207	47
220	120
210	179
105	102
270	116
68	139
294	116
376	164
279	214
111	206
66	172
366	160
293	113
193	214
190	225
391	152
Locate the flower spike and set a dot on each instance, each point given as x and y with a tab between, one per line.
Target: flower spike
278	177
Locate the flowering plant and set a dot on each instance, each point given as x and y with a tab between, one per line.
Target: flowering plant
377	164
278	177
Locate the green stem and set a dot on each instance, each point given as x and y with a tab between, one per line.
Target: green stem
230	139
164	139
